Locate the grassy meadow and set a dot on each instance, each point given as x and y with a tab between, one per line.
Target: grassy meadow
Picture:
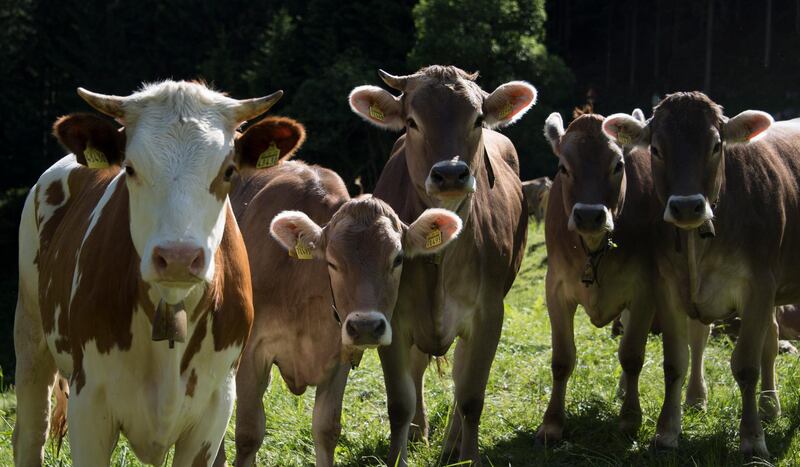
516	398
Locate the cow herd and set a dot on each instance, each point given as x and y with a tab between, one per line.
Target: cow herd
172	259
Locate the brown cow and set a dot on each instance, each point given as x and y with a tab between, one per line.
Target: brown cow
449	157
712	178
595	181
536	192
127	241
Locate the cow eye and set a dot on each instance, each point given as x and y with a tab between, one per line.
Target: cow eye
398	260
717	147
411	123
129	171
654	152
229	173
618	168
479	121
563	170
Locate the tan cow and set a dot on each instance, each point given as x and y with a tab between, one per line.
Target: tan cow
710	177
130	240
449	157
599	233
536	193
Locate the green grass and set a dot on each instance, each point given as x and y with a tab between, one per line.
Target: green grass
515	401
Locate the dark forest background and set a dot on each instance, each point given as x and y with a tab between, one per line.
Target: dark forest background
618	54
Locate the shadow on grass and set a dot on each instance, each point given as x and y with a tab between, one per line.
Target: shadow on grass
592	438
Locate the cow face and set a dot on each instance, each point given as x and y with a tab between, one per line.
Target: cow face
364	245
687	137
178	163
443	112
591	170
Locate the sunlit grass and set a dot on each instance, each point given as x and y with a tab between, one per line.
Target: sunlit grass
515	401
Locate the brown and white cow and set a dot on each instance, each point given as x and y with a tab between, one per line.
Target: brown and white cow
449	157
711	176
536	193
127	240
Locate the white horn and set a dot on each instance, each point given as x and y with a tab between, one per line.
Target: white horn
109	105
248	109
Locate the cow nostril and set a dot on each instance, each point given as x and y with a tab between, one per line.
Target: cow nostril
198	262
577	215
600	217
674	209
698	208
380	328
437	178
463	176
351	329
159	262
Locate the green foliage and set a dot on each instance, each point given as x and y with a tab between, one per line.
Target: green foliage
517	394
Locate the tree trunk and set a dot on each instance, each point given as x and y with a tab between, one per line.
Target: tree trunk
709	40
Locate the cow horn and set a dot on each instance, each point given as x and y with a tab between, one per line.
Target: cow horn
248	109
109	105
396	82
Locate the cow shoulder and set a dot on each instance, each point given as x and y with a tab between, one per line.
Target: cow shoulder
498	144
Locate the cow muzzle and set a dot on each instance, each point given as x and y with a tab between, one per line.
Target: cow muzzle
366	329
450	179
178	264
591	219
688	212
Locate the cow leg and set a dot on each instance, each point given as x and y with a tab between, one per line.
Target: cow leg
631	357
400	398
252	380
326	423
472	363
36	373
562	315
197	446
745	364
451	449
769	404
618	329
676	362
92	430
419	425
697	392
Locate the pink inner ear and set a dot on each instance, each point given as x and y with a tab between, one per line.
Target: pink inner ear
758	127
361	103
447	225
611	127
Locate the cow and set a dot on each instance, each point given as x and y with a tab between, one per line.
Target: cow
134	280
599	234
449	157
536	193
728	188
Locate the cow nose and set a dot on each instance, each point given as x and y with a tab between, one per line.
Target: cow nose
178	262
366	329
452	175
589	219
687	209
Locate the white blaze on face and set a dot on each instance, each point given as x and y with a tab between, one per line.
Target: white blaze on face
179	136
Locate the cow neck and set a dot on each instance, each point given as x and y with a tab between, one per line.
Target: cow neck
593	258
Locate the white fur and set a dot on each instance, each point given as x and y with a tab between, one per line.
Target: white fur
615	124
747	127
360	99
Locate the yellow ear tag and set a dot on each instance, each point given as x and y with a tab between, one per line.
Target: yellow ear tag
623	139
506	111
301	251
269	158
95	159
433	239
375	112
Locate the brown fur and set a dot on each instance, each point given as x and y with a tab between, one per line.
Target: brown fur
77	131
287	134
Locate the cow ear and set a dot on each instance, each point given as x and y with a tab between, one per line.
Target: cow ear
554	131
296	232
378	107
748	126
627	130
96	142
268	142
508	103
638	115
431	232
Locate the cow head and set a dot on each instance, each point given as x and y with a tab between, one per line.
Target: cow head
178	161
443	112
591	170
687	136
364	245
